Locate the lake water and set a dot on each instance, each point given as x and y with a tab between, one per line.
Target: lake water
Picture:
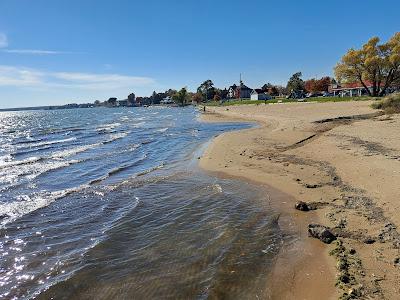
109	204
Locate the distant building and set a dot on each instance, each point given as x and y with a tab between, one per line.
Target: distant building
123	102
242	91
354	89
232	91
167	100
259	94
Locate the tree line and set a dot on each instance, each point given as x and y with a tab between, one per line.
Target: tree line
376	66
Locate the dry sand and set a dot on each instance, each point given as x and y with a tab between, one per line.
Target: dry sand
320	152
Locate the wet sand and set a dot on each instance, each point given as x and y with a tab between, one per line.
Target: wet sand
334	153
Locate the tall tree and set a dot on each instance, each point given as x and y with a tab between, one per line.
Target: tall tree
206	89
181	97
376	64
295	83
131	99
112	101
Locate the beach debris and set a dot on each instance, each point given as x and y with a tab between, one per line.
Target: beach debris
369	240
396	261
312	186
321	232
303	206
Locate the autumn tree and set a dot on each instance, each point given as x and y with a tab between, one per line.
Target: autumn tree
317	85
375	63
217	97
198	98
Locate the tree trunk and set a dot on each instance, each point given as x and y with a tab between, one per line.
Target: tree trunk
365	86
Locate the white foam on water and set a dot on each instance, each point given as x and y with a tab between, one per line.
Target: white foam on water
73	151
39	144
117	136
26	204
108	126
162	129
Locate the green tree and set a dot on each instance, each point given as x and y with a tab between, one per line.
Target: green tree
295	83
206	89
131	99
181	97
375	63
112	101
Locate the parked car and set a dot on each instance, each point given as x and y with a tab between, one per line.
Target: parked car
312	95
327	94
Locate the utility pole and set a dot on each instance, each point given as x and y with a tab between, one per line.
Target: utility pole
240	87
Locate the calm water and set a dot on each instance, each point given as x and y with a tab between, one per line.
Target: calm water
108	204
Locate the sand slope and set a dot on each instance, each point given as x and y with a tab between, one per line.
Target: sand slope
316	152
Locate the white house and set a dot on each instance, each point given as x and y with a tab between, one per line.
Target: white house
258	94
167	100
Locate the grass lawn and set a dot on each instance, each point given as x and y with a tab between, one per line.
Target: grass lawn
284	100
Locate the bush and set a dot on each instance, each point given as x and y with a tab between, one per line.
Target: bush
390	104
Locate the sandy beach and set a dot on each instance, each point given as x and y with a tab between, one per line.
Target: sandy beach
345	159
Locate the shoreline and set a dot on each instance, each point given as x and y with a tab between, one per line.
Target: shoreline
300	256
322	152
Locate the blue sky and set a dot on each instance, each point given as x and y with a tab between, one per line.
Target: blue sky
56	52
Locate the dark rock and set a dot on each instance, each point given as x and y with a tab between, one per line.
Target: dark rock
300	205
352	251
369	241
322	233
344	278
298	179
312	186
304	206
397	261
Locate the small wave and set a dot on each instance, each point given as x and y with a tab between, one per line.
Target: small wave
26	140
161	129
108	126
145	172
117	136
29	160
73	151
33	170
39	144
118	170
137	125
26	204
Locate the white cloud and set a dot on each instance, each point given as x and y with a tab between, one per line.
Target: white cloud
25	77
33	51
13	76
3	40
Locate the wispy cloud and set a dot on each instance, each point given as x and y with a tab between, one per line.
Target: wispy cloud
4	48
26	77
34	51
3	40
